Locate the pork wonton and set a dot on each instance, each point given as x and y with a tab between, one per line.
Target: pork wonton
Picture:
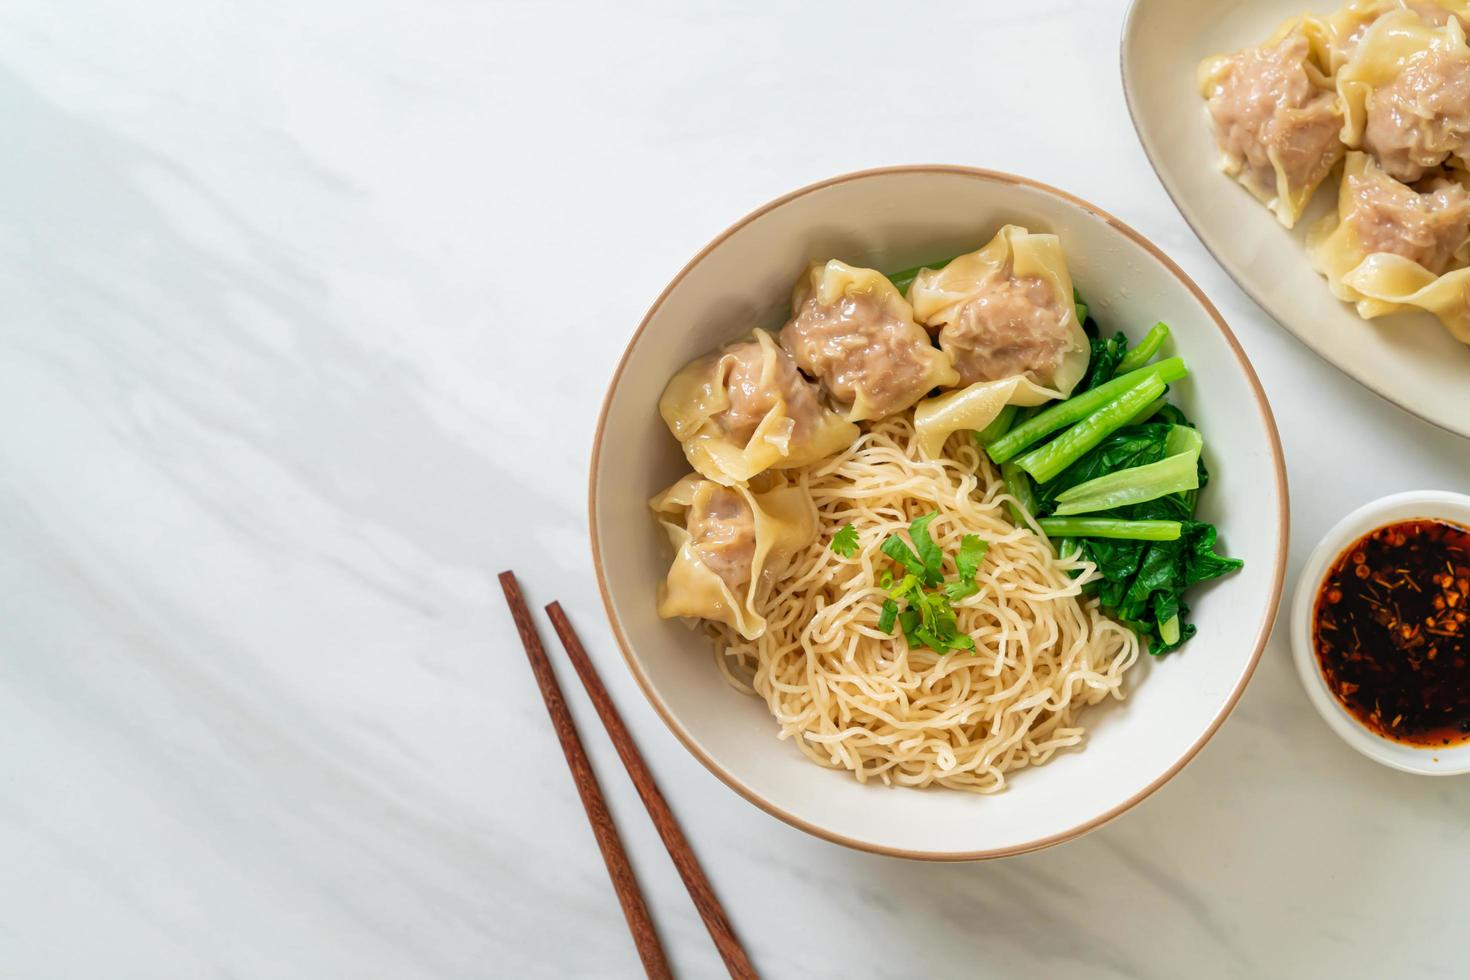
1391	246
728	543
1005	314
746	408
851	329
1276	116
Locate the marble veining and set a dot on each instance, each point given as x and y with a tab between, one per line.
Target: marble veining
307	314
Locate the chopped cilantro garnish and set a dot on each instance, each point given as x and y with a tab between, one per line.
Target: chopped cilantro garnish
920	603
971	554
845	541
894	548
929	552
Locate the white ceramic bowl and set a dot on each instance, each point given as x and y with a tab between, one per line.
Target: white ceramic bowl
893	219
1421	505
1407	358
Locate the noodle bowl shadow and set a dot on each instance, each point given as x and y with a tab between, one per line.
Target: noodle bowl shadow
896	218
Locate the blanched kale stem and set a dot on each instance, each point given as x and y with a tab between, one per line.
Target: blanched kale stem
1146	349
1107	527
1077	407
1019	485
1045	463
1174	473
1149	411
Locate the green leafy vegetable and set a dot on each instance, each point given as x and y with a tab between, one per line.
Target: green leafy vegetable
1141	480
1108	527
1132	445
1142	582
1074	409
1045	463
1019	485
1103	364
1176	472
1145	581
1149	411
845	541
1152	342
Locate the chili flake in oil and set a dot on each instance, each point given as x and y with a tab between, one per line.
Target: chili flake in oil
1389	628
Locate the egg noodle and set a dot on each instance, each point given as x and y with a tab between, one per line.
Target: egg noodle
853	698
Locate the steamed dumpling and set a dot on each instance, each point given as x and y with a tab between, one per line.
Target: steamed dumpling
853	331
1006	310
1406	93
1006	316
746	409
1377	214
1276	116
1390	246
1344	28
728	543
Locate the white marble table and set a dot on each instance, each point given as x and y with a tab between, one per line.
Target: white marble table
305	314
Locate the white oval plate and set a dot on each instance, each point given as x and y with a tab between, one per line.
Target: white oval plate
1407	358
892	219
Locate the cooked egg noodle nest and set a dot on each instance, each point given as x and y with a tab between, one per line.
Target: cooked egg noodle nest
855	699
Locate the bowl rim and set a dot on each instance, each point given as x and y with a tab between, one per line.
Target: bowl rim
1277	575
1243	283
1441	505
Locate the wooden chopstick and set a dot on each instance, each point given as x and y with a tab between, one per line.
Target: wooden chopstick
655	963
700	891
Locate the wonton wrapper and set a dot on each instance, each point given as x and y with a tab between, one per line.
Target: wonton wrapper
1458	9
788	435
1345	27
1285	198
939	295
785	522
876	311
973	408
1381	283
1339	32
1392	43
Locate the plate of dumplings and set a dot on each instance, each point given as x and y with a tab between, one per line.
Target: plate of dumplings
1323	157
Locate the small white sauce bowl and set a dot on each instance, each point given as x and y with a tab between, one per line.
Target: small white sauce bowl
1440	505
